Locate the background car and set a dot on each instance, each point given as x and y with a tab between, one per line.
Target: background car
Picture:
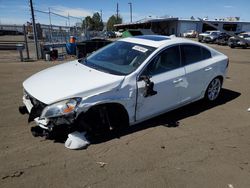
233	42
222	39
190	34
212	37
209	35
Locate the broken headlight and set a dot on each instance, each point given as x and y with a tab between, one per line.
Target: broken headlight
61	108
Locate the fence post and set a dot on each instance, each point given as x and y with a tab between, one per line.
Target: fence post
26	42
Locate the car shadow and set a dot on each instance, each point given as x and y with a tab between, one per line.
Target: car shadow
170	119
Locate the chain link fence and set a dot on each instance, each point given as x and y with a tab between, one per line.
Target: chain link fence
17	41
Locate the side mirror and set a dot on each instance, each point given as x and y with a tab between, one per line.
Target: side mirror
149	86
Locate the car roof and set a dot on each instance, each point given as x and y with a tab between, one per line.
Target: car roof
157	40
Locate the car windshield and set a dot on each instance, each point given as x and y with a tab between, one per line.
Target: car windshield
119	58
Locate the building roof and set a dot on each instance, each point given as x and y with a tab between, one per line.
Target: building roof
152	20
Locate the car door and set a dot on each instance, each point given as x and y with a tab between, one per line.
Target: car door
166	73
198	68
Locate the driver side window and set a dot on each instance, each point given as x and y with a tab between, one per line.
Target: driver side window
166	61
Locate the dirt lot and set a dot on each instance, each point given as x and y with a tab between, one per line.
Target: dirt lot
195	146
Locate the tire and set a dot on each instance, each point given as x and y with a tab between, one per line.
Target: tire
245	46
213	90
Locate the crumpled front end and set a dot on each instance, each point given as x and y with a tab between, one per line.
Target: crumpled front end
49	116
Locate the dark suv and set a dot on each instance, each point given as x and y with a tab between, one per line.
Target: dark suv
222	39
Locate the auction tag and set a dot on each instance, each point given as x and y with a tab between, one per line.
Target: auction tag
140	49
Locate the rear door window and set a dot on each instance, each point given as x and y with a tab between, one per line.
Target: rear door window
193	54
190	54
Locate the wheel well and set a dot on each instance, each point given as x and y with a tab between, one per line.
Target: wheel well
104	116
221	78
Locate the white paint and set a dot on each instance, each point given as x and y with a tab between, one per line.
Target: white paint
76	140
68	80
140	49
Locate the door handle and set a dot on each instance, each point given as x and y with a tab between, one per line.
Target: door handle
178	81
208	69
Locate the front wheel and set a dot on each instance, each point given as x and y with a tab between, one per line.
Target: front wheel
213	90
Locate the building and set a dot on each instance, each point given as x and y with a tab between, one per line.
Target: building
176	26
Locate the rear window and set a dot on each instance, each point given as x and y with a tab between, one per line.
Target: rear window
206	54
192	54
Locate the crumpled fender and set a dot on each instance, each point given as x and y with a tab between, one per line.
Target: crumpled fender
124	96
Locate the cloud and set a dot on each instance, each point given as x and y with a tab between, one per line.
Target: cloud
76	12
228	6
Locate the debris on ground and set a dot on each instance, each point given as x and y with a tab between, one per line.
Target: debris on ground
14	175
102	164
77	140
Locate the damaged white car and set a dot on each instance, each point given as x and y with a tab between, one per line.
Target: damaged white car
124	83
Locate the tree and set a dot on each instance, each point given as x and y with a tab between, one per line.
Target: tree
112	21
97	22
87	23
93	23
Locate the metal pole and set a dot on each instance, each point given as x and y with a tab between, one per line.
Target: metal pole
117	11
130	5
34	29
68	20
50	29
26	42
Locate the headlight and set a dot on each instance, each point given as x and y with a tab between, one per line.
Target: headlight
61	108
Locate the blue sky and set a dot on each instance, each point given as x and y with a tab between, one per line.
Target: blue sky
17	11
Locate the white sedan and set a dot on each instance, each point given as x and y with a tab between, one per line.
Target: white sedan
124	83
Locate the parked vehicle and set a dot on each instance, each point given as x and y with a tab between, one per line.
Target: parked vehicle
107	34
222	39
211	38
190	34
208	36
233	42
124	83
118	33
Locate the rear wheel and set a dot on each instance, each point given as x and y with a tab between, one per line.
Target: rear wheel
244	46
213	90
232	46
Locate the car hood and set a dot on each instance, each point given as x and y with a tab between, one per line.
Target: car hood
204	34
69	80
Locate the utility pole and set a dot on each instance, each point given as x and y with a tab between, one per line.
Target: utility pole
34	29
117	11
130	6
68	20
50	27
101	14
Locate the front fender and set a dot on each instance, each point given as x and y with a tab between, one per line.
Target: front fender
127	100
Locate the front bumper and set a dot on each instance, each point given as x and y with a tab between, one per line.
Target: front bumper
34	108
